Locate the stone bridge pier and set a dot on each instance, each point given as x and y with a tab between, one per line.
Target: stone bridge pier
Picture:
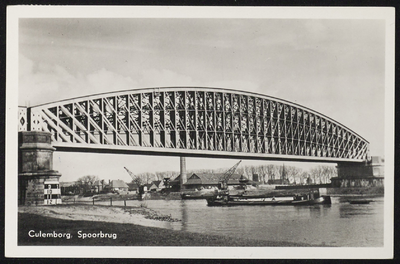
367	174
38	183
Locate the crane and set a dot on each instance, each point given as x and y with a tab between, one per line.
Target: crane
136	180
223	183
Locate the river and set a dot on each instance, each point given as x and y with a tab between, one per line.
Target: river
340	224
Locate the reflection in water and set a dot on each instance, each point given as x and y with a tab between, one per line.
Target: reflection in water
315	212
184	215
355	210
339	224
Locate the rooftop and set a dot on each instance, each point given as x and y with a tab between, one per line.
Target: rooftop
211	179
118	184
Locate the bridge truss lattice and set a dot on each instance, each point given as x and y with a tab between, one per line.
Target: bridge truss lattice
198	119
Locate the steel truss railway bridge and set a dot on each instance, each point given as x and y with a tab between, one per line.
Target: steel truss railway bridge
195	121
185	122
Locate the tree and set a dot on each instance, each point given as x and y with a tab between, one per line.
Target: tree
138	181
145	177
268	172
159	176
303	177
328	173
86	182
293	174
322	174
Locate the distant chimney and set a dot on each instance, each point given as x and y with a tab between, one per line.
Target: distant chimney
255	178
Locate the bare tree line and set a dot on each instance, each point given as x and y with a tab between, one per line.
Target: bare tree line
291	174
294	175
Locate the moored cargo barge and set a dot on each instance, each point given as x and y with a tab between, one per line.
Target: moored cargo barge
310	198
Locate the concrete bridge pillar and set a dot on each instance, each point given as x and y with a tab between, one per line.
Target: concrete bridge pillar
367	174
38	183
183	172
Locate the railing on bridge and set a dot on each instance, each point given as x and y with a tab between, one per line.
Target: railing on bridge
196	119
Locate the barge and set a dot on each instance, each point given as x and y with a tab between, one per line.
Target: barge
309	198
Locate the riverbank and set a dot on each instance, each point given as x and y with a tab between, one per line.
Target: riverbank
114	226
71	199
373	190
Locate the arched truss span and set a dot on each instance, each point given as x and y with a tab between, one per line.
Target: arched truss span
198	120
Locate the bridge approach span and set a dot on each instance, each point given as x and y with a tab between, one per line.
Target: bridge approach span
195	121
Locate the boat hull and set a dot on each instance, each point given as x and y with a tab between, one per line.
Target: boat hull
185	196
245	202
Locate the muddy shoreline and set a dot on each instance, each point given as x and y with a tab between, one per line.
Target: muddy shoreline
130	226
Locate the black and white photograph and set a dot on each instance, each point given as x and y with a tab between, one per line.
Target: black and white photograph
200	132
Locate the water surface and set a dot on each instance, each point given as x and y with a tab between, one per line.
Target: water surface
340	224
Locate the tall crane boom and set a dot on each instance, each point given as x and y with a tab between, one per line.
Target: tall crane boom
136	179
130	173
223	183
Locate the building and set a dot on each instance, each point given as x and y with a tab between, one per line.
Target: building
97	187
156	186
119	186
175	184
69	188
146	187
133	187
275	181
210	180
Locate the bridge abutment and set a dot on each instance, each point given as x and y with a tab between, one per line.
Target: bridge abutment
38	183
367	174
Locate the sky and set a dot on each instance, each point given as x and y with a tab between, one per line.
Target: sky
333	66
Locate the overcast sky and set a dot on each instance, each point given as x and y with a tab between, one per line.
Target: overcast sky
336	67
